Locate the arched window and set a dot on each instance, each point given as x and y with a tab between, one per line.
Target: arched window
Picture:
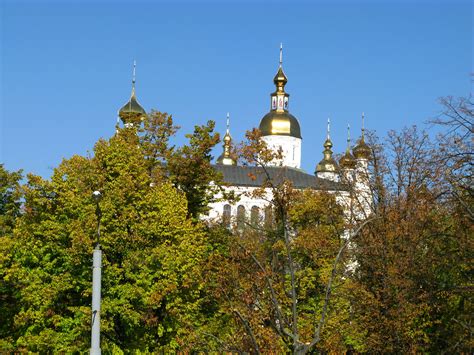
226	215
254	215
240	217
268	216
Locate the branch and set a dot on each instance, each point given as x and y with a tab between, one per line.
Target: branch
317	331
274	299
293	283
249	330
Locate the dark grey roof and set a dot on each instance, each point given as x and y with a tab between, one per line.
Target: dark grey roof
255	177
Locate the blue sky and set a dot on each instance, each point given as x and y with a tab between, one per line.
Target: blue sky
66	68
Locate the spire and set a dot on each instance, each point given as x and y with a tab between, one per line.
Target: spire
226	157
280	78
363	128
328	129
132	112
362	150
347	161
327	164
328	142
133	77
281	54
279	98
348	136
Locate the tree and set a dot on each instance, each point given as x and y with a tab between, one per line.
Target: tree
10	203
153	254
188	167
191	171
410	287
455	150
279	277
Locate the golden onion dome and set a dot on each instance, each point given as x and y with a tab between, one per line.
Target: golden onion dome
281	124
279	121
362	150
227	138
132	112
280	78
347	161
327	164
227	158
132	106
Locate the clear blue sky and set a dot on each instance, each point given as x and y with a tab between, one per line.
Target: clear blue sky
66	68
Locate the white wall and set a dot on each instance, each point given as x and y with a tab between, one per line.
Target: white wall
290	146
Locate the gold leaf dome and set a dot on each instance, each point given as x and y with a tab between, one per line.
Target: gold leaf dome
132	112
280	123
280	78
327	164
347	161
227	158
132	107
362	150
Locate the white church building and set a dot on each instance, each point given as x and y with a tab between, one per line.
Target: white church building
281	131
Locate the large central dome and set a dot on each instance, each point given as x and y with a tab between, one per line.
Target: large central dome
279	121
280	129
281	124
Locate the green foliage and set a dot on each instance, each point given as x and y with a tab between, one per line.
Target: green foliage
153	254
190	169
9	199
10	195
173	284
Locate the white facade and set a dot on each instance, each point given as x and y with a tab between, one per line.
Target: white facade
245	200
247	203
291	150
328	175
362	192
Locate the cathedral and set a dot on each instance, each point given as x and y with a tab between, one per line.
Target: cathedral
281	132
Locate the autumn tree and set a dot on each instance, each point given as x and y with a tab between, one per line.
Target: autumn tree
410	288
279	278
456	150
